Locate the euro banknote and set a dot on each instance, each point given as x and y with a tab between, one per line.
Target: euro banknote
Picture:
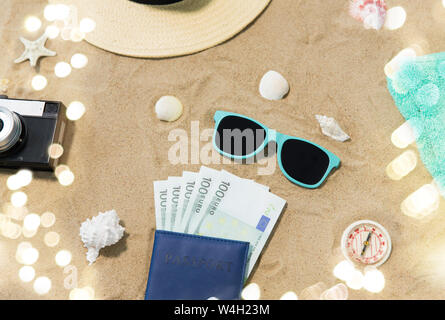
218	204
160	197
173	191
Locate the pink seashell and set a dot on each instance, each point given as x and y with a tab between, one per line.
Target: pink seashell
371	12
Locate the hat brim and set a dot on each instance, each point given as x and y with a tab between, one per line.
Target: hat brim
138	30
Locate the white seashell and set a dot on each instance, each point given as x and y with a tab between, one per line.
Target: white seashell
100	231
337	292
168	108
273	86
331	128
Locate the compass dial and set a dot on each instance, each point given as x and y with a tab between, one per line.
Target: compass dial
366	242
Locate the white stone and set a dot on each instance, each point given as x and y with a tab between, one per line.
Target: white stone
168	108
273	86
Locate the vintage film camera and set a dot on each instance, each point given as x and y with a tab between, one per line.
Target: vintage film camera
27	130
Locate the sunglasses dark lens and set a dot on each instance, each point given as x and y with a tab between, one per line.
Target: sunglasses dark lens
239	136
304	161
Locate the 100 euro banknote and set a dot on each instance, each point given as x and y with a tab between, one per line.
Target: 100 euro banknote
239	210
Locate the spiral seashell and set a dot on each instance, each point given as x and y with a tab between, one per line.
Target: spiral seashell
100	231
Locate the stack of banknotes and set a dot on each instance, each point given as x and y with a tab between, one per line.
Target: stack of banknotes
218	204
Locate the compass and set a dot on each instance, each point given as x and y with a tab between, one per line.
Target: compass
366	242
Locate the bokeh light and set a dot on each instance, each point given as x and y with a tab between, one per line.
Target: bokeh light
19	199
29	233
24	177
51	239
75	110
403	136
313	292
62	69
30	256
63	258
394	65
87	25
66	178
76	35
27	273
251	292
86	293
422	202
3	220
31	221
32	24
55	151
337	292
343	270
62	12
21	179
373	281
39	82
402	165
13	183
52	31
13	212
20	250
395	18
290	295
355	282
50	12
47	219
11	230
59	169
42	285
79	61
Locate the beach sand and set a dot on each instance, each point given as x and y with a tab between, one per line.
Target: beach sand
118	148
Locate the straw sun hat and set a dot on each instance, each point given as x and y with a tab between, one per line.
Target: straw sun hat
140	29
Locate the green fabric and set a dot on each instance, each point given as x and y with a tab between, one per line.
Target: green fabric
418	89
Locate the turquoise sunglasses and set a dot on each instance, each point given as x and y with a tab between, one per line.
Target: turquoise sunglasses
302	162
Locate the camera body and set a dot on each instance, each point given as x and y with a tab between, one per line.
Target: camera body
27	130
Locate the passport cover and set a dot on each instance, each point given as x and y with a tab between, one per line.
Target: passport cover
189	267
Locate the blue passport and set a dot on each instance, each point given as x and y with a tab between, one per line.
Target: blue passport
189	267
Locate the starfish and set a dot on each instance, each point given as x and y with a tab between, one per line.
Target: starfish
34	50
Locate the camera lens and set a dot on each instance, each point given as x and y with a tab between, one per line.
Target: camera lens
10	129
